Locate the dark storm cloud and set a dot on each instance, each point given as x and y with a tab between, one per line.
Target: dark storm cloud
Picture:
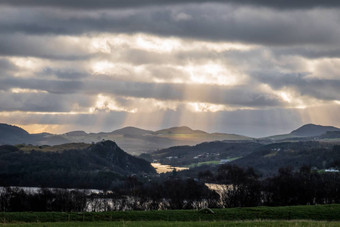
99	4
234	96
43	102
70	74
88	122
43	47
323	89
52	86
309	52
210	22
6	66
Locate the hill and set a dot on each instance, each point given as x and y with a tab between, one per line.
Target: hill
204	153
10	134
132	140
310	130
137	141
132	131
179	130
266	159
71	165
269	158
304	133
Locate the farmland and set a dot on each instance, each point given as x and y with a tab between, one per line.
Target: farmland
319	215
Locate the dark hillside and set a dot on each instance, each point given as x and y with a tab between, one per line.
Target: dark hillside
204	152
268	159
95	166
10	134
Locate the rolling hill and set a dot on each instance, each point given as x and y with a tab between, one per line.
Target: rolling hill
208	152
311	130
269	158
304	133
132	140
10	134
70	165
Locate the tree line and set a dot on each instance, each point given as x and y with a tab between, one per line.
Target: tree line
244	188
241	188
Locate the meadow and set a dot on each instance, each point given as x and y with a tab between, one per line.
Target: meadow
317	215
259	223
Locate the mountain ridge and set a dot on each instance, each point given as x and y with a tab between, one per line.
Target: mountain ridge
131	139
136	140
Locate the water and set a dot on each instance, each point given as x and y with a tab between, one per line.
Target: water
160	168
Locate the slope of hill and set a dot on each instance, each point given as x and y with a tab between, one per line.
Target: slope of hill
269	158
204	153
304	133
330	135
183	133
132	131
132	140
70	165
179	130
310	130
10	134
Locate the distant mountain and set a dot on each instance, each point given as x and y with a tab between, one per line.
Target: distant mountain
179	130
70	165
136	141
304	133
310	130
13	135
132	131
133	140
10	134
76	133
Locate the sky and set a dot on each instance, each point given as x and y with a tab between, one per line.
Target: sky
251	67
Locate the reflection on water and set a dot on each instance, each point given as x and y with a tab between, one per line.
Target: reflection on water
166	168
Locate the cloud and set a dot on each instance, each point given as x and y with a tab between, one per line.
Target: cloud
47	47
6	68
65	73
206	22
310	52
255	123
322	89
247	96
103	4
51	86
44	102
198	63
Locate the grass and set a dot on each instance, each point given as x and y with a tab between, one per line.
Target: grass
193	165
318	212
303	223
215	162
56	148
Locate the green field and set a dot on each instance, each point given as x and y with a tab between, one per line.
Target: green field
193	165
258	223
216	162
318	212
